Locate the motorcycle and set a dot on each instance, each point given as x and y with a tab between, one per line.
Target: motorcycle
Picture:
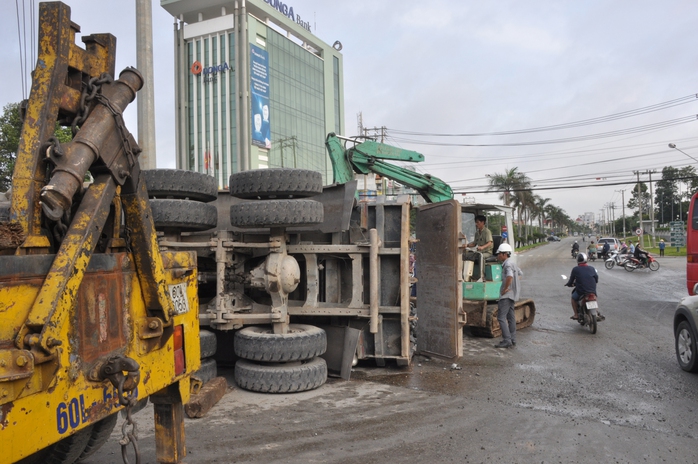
588	311
615	259
633	263
575	252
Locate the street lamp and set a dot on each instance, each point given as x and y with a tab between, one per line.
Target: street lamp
673	145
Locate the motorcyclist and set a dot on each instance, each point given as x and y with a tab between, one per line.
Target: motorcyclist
640	254
584	279
575	248
604	251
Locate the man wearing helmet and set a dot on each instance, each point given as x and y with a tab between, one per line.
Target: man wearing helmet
508	294
584	279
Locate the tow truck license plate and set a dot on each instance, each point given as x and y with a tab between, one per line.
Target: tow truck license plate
592	305
178	293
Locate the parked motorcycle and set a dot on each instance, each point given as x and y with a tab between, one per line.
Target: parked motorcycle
615	259
633	263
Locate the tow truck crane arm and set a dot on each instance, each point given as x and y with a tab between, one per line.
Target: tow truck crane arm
366	157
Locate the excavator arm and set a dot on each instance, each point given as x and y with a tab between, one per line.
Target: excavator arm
367	157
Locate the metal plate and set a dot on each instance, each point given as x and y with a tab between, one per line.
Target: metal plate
592	305
439	293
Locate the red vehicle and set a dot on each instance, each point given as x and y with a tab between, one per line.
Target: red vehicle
692	246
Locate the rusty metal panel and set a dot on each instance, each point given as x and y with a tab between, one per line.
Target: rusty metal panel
101	308
439	293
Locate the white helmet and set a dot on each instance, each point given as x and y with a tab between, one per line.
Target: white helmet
504	248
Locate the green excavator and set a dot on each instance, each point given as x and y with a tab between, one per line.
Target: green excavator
479	282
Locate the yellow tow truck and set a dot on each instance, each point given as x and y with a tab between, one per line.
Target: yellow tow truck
94	318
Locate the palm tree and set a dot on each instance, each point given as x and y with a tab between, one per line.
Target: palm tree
515	189
505	183
541	204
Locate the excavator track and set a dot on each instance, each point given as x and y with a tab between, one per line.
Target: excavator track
482	317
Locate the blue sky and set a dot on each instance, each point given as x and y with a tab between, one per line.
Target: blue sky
445	67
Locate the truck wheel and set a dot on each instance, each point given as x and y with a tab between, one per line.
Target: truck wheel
276	213
101	431
281	378
275	183
302	342
65	451
208	343
185	215
180	184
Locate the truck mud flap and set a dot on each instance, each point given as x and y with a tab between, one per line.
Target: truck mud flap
438	264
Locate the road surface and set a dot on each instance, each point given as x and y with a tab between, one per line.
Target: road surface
562	395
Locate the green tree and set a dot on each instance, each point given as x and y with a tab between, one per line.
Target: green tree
10	132
644	198
666	194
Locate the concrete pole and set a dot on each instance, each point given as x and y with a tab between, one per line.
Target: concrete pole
145	100
652	238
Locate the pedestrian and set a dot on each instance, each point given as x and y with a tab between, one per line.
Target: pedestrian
508	294
662	245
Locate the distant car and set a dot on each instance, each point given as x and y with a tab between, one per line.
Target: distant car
685	333
614	243
553	238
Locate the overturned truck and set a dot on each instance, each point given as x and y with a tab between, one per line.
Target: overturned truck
298	279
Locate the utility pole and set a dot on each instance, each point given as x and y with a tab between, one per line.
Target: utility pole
146	100
652	238
639	205
289	142
622	193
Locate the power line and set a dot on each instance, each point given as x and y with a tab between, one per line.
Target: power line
584	122
581	138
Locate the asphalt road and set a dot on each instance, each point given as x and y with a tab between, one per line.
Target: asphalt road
562	395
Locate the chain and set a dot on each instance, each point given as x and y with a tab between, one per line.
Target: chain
130	150
129	436
89	92
126	384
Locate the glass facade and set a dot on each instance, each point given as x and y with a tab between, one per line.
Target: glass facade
211	106
252	93
297	103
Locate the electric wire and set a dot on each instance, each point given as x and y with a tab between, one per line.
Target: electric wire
584	122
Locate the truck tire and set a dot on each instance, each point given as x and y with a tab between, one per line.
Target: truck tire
207	372
208	343
275	183
185	215
65	451
180	184
276	213
101	431
281	378
301	343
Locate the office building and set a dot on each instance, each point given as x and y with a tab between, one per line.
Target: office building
254	87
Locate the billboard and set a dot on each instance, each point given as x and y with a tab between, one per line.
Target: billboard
259	86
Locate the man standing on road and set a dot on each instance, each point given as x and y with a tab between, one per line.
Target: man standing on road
508	294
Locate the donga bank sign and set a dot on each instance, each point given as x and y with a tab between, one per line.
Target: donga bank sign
287	11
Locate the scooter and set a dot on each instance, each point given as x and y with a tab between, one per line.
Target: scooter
633	263
615	259
575	252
